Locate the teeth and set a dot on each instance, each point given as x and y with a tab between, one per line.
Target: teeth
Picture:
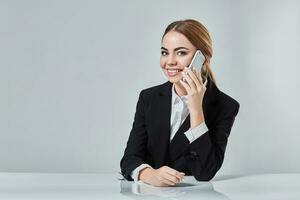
173	70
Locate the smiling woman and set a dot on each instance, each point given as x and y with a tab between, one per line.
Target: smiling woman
180	127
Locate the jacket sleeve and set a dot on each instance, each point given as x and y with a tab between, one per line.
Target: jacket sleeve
205	155
135	150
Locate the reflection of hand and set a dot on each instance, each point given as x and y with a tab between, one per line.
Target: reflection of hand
164	176
195	89
141	188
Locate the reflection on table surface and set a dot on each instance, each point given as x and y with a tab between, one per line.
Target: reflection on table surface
108	186
187	189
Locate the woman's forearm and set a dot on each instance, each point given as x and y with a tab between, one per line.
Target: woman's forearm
196	119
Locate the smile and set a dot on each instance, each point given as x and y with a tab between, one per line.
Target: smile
173	72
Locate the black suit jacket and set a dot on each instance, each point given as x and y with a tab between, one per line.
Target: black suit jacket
149	139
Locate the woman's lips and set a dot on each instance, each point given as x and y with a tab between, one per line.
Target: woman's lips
173	72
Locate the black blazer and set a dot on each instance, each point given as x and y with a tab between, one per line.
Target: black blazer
149	139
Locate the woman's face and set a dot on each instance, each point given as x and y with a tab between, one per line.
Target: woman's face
176	54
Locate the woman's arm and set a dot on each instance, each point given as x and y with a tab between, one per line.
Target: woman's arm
135	151
205	155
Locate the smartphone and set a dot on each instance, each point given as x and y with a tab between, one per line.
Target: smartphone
197	62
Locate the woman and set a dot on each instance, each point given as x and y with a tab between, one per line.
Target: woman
180	127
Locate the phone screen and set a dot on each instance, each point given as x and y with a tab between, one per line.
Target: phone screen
197	63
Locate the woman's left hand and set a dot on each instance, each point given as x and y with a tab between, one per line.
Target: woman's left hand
195	89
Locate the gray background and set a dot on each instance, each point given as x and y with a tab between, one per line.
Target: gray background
71	72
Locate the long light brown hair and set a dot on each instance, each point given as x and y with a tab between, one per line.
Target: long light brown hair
199	36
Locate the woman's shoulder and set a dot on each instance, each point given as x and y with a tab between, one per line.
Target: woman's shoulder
215	94
227	99
228	103
164	88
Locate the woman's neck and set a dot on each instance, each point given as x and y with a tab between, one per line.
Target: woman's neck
179	89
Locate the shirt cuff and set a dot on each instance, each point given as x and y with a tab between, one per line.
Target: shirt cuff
135	173
194	133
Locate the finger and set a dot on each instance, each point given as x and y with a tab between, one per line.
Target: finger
189	80
178	175
186	86
171	178
165	179
167	182
174	172
182	175
199	75
194	76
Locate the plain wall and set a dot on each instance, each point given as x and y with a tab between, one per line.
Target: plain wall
71	72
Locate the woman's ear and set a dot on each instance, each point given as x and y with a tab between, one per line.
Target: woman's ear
206	61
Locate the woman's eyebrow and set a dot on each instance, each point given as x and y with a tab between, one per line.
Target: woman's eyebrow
176	49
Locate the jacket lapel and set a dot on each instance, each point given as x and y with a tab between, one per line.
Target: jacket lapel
161	111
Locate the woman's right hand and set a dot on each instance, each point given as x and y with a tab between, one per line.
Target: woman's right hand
163	176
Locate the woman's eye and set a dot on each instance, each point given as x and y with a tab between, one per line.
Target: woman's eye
181	53
163	53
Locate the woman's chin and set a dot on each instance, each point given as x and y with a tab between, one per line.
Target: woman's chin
174	79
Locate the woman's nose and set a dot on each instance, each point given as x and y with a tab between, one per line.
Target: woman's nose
171	60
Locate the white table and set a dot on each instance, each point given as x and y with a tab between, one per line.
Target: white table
107	186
